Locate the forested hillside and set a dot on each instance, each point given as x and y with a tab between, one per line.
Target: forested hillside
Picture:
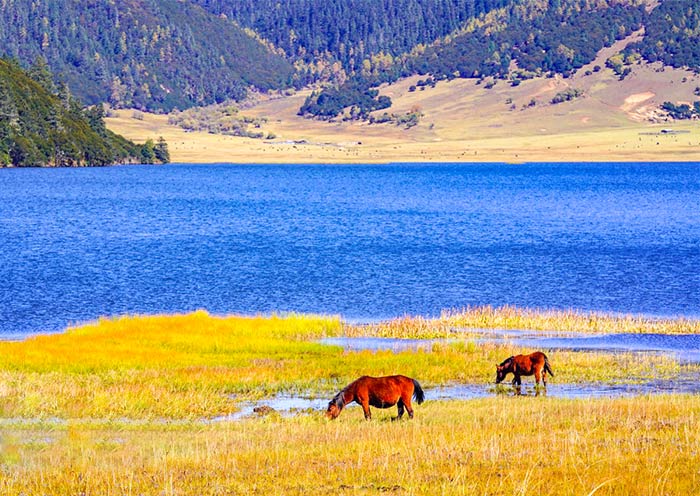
538	36
146	54
41	124
523	40
159	55
672	35
357	33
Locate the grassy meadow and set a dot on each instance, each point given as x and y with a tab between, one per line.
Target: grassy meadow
129	406
507	317
496	446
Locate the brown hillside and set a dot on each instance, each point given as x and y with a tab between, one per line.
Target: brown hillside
462	120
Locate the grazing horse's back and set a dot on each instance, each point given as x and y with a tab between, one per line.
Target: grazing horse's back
379	392
535	364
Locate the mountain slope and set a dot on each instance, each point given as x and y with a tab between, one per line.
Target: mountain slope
532	37
148	54
350	31
464	120
672	35
39	128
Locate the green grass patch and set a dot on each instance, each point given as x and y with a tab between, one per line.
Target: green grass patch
198	366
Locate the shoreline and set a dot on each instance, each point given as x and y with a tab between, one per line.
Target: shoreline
485	317
315	142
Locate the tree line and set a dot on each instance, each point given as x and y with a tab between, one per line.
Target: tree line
42	124
160	55
520	41
350	32
144	54
671	35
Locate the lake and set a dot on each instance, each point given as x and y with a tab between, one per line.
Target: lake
366	242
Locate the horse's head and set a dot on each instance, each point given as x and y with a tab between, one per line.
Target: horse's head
504	369
332	411
335	405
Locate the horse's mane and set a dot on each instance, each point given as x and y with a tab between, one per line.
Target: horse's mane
504	362
339	399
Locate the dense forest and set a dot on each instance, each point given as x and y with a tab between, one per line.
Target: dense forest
672	35
145	54
41	124
354	33
523	40
161	55
540	37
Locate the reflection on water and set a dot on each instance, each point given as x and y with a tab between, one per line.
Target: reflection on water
287	405
684	347
283	404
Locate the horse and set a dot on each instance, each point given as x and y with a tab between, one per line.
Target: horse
379	392
535	363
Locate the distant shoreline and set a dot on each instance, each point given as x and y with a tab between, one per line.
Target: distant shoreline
638	143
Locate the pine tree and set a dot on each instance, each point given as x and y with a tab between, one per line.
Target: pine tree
147	152
41	73
161	152
8	122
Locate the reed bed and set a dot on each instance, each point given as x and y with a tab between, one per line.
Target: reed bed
197	366
494	446
509	317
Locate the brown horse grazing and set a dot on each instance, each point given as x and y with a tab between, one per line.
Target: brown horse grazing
535	363
379	392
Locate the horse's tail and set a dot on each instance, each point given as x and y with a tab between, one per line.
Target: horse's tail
547	368
418	393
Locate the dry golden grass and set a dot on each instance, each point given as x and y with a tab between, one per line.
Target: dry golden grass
495	446
120	407
508	317
465	122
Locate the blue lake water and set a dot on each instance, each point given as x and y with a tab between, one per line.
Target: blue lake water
683	347
363	241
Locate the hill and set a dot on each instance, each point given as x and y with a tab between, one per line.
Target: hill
356	33
672	35
147	54
520	41
469	120
160	55
39	127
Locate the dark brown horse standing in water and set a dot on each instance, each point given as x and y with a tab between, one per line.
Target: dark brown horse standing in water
535	363
379	392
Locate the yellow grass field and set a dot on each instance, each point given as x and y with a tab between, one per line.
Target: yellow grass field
133	406
495	446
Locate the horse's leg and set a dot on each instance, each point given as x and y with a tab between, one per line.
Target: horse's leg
516	380
409	408
365	408
399	405
538	377
406	400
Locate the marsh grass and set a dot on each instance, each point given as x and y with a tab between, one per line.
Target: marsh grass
509	317
198	366
499	445
120	407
